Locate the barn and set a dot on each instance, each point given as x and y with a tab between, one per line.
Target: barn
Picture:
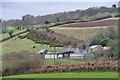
67	53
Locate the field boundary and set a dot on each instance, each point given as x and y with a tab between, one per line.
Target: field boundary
79	27
3	40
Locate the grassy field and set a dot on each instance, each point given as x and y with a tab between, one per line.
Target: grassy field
70	75
78	33
5	35
57	61
16	45
46	61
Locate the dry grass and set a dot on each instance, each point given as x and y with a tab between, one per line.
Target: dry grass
78	33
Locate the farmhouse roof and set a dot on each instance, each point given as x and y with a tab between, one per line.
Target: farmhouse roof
95	46
42	51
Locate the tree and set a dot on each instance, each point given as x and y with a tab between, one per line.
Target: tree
0	20
0	26
58	19
28	19
109	37
4	29
114	50
114	5
61	17
47	22
10	33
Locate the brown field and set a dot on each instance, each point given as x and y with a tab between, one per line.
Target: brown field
93	24
85	67
97	66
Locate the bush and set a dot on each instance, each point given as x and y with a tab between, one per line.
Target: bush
99	40
117	15
10	33
51	38
111	32
100	16
113	52
22	36
108	37
86	67
21	62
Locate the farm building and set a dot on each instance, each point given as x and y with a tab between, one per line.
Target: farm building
98	47
42	51
67	53
77	55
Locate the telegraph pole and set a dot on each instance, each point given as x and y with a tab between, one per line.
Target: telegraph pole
54	54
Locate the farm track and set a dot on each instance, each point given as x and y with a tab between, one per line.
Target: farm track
74	28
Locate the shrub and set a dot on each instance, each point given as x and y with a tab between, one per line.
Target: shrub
99	40
10	33
113	52
100	16
86	67
108	37
22	36
51	38
22	62
117	15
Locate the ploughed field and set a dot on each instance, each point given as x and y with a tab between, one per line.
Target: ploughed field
94	23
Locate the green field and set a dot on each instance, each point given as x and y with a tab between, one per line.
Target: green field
5	35
46	61
58	61
70	75
17	45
